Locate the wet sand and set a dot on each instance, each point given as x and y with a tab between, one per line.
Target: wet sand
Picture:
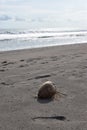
22	72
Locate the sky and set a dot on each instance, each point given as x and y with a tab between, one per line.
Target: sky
36	14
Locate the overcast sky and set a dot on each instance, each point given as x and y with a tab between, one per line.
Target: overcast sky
30	14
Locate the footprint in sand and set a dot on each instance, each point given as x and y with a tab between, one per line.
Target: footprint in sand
5	63
2	70
45	62
7	82
54	58
25	65
33	59
3	83
22	60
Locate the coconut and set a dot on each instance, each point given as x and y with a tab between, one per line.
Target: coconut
47	91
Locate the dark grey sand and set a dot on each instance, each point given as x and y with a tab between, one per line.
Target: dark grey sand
22	72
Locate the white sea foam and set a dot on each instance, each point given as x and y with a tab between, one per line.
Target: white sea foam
41	34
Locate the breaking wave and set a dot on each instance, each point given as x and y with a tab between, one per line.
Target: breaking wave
26	35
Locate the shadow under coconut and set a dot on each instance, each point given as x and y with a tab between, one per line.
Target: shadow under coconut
44	100
61	118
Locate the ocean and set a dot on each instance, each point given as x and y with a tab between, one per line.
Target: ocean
15	39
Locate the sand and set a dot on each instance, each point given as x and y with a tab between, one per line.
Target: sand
21	74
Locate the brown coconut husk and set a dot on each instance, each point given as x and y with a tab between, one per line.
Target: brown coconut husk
48	91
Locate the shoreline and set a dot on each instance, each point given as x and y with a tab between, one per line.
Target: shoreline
53	46
21	74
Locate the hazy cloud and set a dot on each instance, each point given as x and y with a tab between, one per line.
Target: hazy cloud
5	18
19	19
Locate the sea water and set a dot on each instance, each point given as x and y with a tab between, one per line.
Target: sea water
14	39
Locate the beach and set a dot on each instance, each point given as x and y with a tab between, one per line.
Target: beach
21	74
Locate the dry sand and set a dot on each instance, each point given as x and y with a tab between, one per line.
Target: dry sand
22	72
